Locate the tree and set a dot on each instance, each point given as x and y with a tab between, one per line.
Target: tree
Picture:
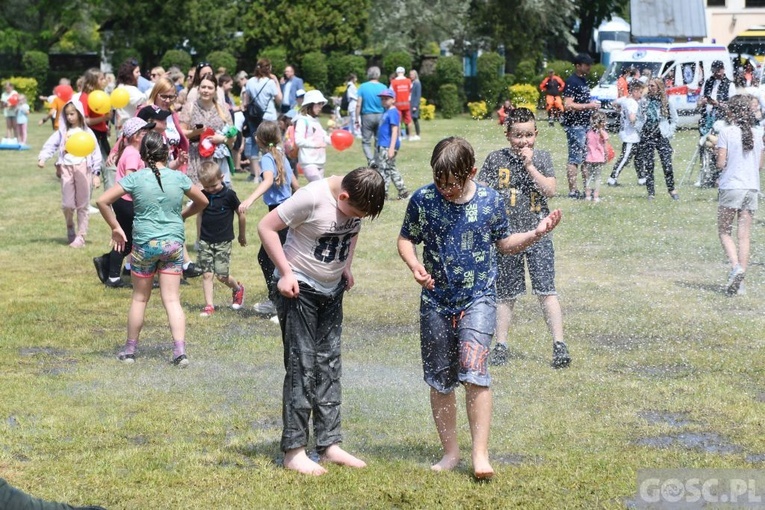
591	14
41	24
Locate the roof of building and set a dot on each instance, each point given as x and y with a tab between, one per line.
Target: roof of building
674	19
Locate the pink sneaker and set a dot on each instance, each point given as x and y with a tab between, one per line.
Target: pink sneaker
207	311
237	297
78	242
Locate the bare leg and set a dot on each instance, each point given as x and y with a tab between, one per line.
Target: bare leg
169	288
553	316
504	320
444	408
229	281
141	296
725	216
297	460
571	175
337	455
744	229
207	288
479	404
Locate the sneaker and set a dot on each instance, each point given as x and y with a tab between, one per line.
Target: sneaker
612	182
274	319
93	210
70	234
126	358
414	138
596	199
207	311
675	196
403	195
741	290
561	357
735	278
181	361
192	271
498	355
641	181
237	297
267	307
100	268
117	284
250	178
651	197
575	195
78	242
588	198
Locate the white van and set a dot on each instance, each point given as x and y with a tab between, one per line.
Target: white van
683	66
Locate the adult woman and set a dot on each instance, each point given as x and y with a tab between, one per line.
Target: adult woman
202	69
163	96
414	103
659	127
94	79
353	98
158	235
127	78
264	89
206	112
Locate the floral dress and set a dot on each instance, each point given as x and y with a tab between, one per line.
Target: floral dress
210	118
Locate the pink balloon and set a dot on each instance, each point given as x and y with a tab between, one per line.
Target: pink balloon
341	139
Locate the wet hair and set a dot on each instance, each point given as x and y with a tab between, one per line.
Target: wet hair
366	190
741	114
452	156
519	116
90	80
125	72
269	138
154	150
208	171
635	85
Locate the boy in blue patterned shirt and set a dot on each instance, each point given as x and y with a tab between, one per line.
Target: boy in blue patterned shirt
460	224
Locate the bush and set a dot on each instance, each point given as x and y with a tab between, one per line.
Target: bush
339	66
449	100
315	69
449	70
524	95
222	59
36	65
278	57
490	83
178	58
478	110
427	111
596	71
526	72
396	59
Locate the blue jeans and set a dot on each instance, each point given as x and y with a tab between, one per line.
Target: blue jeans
576	136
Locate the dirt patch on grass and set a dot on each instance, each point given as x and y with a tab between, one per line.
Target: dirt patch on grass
708	442
666	418
662	371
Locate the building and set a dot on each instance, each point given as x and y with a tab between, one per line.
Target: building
728	18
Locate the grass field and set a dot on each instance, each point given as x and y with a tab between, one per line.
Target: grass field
667	370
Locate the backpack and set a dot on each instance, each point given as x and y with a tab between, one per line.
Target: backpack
290	147
255	112
345	101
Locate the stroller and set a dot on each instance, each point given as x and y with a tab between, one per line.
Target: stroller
709	127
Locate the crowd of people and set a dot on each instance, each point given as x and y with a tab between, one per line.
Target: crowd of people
480	231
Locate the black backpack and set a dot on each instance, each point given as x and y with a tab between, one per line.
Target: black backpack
345	101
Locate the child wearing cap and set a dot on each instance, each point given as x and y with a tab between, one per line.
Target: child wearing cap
310	136
388	143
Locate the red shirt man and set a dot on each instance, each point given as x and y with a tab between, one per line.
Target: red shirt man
402	89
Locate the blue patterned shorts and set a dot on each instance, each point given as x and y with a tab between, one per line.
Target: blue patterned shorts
163	256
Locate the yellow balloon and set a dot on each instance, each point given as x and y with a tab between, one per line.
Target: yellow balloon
99	102
120	97
80	144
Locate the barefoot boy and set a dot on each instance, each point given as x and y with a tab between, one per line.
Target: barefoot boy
313	270
525	179
460	224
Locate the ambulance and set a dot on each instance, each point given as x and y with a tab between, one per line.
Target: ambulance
682	66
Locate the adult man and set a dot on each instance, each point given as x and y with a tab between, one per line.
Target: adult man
414	102
402	89
717	89
576	118
552	86
369	111
290	85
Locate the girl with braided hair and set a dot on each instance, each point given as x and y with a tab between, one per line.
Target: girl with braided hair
158	237
739	156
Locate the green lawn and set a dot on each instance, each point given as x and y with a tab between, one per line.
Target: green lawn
661	355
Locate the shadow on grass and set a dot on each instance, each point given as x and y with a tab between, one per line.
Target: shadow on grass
713	288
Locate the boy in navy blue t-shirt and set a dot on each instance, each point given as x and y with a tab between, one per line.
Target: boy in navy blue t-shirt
388	143
461	224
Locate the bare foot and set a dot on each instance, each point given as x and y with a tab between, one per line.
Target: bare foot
447	463
337	455
297	460
482	470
